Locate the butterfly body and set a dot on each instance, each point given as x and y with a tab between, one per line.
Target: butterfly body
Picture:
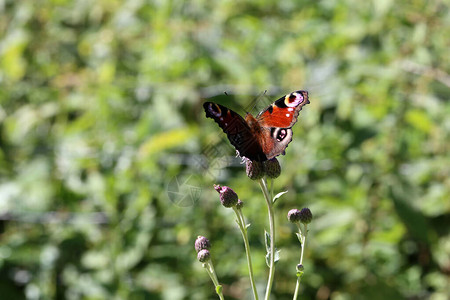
262	137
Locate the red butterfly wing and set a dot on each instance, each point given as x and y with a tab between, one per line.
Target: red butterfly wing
238	131
283	113
276	122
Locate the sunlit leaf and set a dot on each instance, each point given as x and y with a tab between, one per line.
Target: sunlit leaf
275	198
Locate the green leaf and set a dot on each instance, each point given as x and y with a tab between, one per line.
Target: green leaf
267	240
167	140
419	120
219	289
278	196
277	255
413	219
299	236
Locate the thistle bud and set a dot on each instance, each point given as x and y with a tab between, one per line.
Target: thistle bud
254	169
202	243
306	216
272	168
228	197
203	256
294	215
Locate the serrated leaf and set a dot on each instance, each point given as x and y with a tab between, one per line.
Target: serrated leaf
278	196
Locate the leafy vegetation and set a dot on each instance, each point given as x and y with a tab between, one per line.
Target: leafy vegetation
101	114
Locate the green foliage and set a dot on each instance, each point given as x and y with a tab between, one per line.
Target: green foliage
100	113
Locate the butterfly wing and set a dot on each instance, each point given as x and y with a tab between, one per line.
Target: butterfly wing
277	120
238	131
283	113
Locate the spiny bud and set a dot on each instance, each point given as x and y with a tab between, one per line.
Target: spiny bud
294	215
228	197
254	169
202	243
272	168
306	216
203	255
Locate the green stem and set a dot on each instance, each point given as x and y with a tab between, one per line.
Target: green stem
271	188
262	183
303	243
212	273
242	226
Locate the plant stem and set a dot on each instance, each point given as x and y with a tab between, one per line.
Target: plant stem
263	185
212	273
271	189
303	243
243	227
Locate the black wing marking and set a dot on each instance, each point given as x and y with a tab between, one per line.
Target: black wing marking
238	132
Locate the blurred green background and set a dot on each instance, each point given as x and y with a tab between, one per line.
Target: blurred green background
101	123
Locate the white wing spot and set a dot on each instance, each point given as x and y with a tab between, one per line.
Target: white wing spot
290	109
298	99
287	115
226	124
221	119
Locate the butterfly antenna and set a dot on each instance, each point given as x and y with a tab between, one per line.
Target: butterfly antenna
225	93
255	101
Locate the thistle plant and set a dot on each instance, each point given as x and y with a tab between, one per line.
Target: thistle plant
202	246
259	172
299	218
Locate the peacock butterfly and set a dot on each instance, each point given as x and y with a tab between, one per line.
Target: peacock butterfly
265	136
